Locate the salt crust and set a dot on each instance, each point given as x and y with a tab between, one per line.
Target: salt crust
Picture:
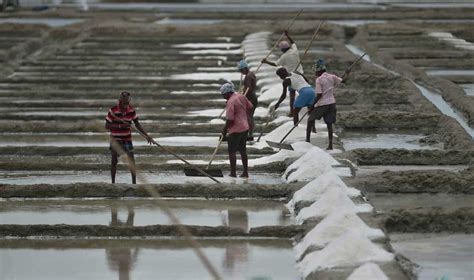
368	271
350	249
312	164
335	199
299	149
331	227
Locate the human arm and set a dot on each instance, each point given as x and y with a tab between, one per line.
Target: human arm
269	62
139	127
286	83
289	38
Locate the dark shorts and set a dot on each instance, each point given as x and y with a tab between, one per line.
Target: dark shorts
237	142
328	112
127	147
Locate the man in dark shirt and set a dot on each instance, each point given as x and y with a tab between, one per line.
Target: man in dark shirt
249	90
119	122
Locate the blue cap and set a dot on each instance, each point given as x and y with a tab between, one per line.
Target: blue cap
227	88
319	65
242	64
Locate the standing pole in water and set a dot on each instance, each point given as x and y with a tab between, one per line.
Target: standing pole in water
279	39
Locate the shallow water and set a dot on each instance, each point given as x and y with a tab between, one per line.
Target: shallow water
449	72
66	177
450	256
53	22
174	21
468	89
243	214
371	169
152	259
356	140
391	201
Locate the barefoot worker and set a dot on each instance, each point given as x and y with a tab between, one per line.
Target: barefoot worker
306	96
290	59
326	105
238	110
249	88
119	121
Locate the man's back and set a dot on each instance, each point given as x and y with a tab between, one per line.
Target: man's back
237	109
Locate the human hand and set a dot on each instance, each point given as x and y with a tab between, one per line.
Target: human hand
264	60
149	139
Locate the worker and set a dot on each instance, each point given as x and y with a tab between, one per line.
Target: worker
290	60
249	90
238	110
119	121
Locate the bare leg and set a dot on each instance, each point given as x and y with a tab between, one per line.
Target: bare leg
233	163
113	167
292	101
309	127
296	118
330	132
244	157
133	168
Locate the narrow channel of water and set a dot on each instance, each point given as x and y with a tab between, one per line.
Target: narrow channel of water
243	214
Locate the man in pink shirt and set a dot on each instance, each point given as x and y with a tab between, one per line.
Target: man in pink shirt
325	107
238	110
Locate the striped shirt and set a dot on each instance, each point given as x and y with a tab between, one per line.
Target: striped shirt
115	116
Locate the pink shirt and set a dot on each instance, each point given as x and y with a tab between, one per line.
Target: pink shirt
325	85
237	109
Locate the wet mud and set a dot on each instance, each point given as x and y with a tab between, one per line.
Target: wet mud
79	190
82	231
428	220
428	181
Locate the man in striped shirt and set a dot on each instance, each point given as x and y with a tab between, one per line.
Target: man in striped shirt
119	122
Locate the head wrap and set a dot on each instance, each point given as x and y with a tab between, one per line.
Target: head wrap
227	88
242	64
284	45
319	65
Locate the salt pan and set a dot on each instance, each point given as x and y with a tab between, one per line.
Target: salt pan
299	149
207	45
212	51
217	121
350	249
333	200
368	271
331	227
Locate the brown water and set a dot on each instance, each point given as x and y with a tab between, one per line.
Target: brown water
152	259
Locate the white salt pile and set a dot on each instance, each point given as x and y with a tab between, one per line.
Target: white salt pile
331	227
299	149
334	199
350	249
298	134
273	92
368	271
259	112
316	188
312	164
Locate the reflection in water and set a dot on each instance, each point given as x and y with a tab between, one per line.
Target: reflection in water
236	253
121	259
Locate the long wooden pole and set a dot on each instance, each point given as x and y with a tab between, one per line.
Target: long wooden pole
309	45
279	39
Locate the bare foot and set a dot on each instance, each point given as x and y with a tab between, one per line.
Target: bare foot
329	148
244	175
314	130
232	175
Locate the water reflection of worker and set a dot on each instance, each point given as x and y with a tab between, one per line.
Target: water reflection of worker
122	259
236	252
115	221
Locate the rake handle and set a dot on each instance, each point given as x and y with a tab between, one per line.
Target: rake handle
215	151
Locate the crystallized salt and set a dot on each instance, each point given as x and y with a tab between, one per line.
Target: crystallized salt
299	149
331	227
335	199
217	121
316	188
259	112
273	93
350	249
311	165
368	271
